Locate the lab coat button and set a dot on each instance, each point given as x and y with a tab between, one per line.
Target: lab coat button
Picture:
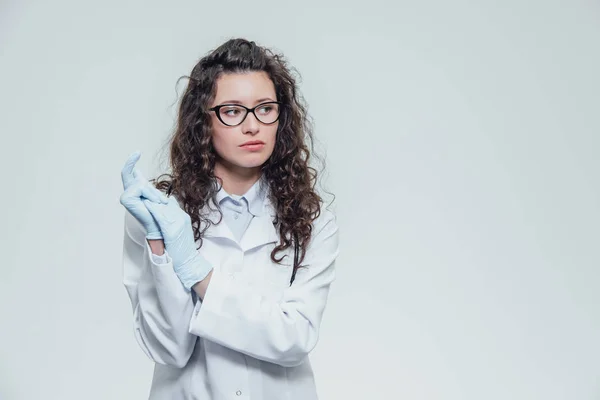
235	216
239	392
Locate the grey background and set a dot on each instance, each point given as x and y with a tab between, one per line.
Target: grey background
461	141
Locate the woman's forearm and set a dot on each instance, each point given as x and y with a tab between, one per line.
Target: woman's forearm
201	287
157	246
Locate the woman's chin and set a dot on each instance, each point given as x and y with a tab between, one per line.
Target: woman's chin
248	162
252	162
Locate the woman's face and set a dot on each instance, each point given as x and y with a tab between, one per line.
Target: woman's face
247	89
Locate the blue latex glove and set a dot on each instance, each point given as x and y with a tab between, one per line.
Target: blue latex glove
137	188
178	234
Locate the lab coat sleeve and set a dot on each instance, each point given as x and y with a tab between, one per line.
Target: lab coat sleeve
278	330
162	308
162	259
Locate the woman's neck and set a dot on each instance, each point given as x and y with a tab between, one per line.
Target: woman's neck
237	180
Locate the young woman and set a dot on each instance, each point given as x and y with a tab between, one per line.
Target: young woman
229	259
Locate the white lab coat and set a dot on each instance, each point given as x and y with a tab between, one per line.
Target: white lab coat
251	335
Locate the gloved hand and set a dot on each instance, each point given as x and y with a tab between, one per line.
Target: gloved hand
137	188
178	234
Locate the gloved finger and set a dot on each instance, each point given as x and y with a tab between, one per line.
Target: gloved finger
172	204
137	174
142	190
166	211
147	191
127	172
157	212
131	195
162	198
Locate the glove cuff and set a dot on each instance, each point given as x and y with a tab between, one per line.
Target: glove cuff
154	236
193	270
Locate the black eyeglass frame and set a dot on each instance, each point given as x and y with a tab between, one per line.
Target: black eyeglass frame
217	110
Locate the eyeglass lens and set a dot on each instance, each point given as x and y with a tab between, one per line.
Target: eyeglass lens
234	115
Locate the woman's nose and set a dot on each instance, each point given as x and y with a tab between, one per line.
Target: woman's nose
250	124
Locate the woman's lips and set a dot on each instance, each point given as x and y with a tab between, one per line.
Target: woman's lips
253	147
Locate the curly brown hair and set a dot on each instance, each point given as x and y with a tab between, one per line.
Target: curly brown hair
192	155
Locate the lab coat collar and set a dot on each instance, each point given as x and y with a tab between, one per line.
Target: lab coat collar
255	196
261	229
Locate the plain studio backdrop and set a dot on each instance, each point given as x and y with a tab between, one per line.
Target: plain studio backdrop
462	144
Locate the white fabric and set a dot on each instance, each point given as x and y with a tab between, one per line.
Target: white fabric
251	335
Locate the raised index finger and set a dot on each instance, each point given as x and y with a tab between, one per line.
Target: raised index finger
127	175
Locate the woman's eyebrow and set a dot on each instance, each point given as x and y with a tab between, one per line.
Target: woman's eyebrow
240	102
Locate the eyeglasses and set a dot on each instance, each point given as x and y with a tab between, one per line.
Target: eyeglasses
235	114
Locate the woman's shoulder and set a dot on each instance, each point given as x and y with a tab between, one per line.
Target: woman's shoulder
326	213
326	218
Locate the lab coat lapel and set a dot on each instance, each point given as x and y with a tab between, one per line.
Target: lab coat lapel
220	230
261	229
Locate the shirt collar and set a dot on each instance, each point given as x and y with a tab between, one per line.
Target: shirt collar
255	196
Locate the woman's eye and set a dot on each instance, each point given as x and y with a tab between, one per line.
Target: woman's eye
231	112
265	109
